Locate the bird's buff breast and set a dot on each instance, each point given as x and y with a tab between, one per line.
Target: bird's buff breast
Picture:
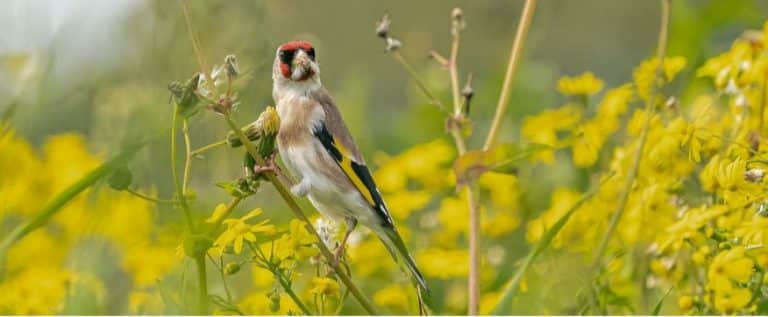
306	160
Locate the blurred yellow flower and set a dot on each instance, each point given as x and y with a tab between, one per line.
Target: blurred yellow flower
443	263
324	286
728	267
217	214
585	84
645	74
392	296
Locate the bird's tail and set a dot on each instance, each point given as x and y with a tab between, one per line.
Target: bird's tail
396	248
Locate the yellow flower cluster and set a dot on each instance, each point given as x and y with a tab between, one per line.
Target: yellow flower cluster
44	270
698	201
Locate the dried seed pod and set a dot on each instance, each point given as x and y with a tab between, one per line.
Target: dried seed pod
382	27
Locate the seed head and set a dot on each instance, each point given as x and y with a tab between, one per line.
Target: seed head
382	27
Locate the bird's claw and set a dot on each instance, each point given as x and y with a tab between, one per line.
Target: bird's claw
269	166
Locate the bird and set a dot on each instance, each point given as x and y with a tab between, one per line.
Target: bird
318	150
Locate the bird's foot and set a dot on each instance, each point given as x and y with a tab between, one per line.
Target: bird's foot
269	166
338	254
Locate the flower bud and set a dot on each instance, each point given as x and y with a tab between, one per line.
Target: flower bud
184	94
393	44
230	65
382	28
274	300
269	121
754	175
457	15
231	268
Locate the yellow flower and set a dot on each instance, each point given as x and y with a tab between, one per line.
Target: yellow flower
324	286
392	296
443	263
143	302
148	263
733	300
585	84
543	128
727	267
238	231
588	140
218	212
645	74
297	244
685	303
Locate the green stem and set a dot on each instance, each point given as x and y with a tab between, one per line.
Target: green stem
180	192
207	147
510	290
174	170
149	198
649	107
188	156
288	198
434	100
202	304
224	279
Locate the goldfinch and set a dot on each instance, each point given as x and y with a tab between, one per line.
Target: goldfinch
318	150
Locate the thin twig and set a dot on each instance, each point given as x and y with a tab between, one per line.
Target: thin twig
174	170
200	150
514	59
434	100
187	157
149	198
193	38
649	107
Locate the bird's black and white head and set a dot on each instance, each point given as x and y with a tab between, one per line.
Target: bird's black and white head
296	65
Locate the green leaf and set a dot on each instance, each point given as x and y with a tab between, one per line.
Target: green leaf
120	179
657	309
502	158
510	291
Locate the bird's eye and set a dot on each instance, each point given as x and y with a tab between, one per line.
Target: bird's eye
311	53
286	56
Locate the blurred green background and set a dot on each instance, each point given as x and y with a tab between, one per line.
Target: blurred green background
101	68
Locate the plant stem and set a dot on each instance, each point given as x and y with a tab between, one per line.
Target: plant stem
179	189
180	192
203	284
148	198
187	157
434	100
200	150
193	39
288	198
453	69
514	59
473	280
649	111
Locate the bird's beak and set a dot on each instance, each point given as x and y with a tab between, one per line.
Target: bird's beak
302	66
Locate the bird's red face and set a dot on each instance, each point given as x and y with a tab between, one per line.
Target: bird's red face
297	60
